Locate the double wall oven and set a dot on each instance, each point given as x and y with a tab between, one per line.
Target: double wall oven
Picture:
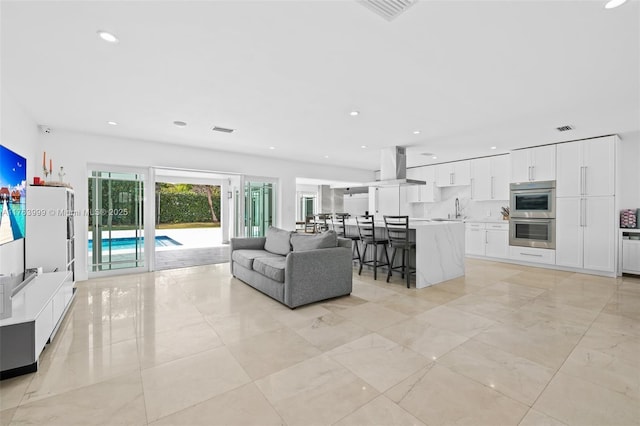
532	219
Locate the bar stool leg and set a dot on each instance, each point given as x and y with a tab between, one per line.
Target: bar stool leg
409	272
364	252
386	255
356	250
375	261
393	258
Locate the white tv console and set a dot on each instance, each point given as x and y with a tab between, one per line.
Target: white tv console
37	311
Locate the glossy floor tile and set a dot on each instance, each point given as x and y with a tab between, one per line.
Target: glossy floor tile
504	345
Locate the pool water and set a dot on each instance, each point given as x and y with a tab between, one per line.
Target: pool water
130	243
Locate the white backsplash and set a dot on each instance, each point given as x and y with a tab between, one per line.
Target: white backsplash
469	209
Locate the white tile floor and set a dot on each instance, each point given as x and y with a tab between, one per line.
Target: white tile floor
505	345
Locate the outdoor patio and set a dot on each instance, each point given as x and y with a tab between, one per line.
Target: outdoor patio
195	246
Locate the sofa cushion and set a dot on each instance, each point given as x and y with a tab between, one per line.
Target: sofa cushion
246	257
278	241
302	242
271	267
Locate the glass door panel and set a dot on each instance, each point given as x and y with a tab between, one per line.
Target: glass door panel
116	224
259	208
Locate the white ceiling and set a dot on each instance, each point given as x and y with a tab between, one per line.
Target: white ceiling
467	74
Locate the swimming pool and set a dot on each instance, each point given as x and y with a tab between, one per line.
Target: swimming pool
130	242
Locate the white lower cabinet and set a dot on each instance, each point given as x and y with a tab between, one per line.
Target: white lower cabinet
37	311
631	256
585	233
533	255
474	239
497	241
487	239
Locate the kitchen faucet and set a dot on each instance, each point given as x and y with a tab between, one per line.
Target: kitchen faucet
458	208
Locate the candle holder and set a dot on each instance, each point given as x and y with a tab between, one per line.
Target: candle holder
46	173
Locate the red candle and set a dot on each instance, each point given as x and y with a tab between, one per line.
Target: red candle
50	166
44	160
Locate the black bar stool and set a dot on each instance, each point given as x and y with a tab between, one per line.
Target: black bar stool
367	231
338	223
398	233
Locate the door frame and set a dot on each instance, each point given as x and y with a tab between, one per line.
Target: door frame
149	234
241	213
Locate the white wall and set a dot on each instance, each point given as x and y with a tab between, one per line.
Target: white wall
19	133
629	153
75	150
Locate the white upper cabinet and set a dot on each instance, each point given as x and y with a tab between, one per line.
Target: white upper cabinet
490	178
453	174
427	193
586	168
481	179
533	164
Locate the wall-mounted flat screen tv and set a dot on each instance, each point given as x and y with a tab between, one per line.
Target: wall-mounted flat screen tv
13	191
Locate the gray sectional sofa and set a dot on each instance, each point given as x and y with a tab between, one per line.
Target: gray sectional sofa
294	269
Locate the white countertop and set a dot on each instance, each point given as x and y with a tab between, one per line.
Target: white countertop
486	220
413	223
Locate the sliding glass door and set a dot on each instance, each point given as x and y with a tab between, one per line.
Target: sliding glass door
259	207
116	221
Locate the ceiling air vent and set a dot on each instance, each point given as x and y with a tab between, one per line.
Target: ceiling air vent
388	9
223	129
565	128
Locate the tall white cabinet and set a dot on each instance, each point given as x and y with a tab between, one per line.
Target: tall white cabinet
587	168
585	205
51	238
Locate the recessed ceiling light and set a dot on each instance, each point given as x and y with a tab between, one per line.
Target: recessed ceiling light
112	123
434	157
272	147
326	156
363	146
107	36
354	113
494	147
612	4
180	123
416	132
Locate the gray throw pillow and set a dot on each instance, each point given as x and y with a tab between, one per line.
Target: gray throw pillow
278	241
301	242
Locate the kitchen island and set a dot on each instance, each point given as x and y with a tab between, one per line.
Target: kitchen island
440	251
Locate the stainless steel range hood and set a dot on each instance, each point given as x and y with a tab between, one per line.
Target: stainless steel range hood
393	168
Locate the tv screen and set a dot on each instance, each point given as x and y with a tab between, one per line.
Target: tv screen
13	185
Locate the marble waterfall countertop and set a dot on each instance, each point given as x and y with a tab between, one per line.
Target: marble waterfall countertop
440	251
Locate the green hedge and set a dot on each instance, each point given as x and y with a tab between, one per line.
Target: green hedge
184	208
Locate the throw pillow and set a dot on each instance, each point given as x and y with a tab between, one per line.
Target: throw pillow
278	241
301	242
